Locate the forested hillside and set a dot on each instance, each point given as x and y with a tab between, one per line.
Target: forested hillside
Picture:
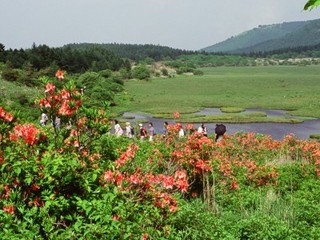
136	52
72	60
271	37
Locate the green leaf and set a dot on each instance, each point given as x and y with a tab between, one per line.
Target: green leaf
17	170
94	177
311	4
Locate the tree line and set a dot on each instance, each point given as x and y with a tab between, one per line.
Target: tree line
73	60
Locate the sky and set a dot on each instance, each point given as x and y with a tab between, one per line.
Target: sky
182	24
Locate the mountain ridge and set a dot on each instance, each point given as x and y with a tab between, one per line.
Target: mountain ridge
265	38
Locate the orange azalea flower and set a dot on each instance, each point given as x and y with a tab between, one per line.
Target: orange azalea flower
176	115
145	236
50	88
2	112
188	126
7	117
8	209
234	185
108	176
28	132
60	75
181	180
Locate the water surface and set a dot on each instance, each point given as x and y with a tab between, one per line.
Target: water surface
275	130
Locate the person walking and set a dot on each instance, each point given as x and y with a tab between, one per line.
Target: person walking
151	131
181	131
129	130
44	119
220	130
118	130
165	128
203	130
142	131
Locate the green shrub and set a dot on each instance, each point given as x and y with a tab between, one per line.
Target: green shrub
141	72
262	227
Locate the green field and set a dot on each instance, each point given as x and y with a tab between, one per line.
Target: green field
294	88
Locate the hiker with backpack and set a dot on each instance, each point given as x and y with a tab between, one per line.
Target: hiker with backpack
142	131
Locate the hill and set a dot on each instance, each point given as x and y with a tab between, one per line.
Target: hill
273	37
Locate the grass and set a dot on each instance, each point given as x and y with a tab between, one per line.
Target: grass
19	99
292	88
252	117
232	109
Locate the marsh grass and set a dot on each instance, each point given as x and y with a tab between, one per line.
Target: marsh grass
315	136
293	88
232	109
252	117
271	203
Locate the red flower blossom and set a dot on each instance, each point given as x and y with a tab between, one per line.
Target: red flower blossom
176	115
145	236
50	88
173	208
203	165
7	190
234	185
37	202
44	103
2	112
8	209
181	180
28	132
167	182
108	176
65	94
7	117
188	127
82	121
119	178
60	75
127	155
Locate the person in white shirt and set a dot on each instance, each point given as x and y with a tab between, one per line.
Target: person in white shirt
129	132
203	129
181	131
44	119
118	130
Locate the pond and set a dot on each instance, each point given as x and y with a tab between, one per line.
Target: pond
275	130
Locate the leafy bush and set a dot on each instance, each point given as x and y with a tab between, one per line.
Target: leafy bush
141	72
74	180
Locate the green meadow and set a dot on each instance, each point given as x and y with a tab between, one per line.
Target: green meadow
292	88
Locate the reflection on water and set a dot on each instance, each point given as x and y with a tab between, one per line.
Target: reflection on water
275	130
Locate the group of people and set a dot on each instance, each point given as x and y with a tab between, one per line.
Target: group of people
44	120
150	132
144	132
130	132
